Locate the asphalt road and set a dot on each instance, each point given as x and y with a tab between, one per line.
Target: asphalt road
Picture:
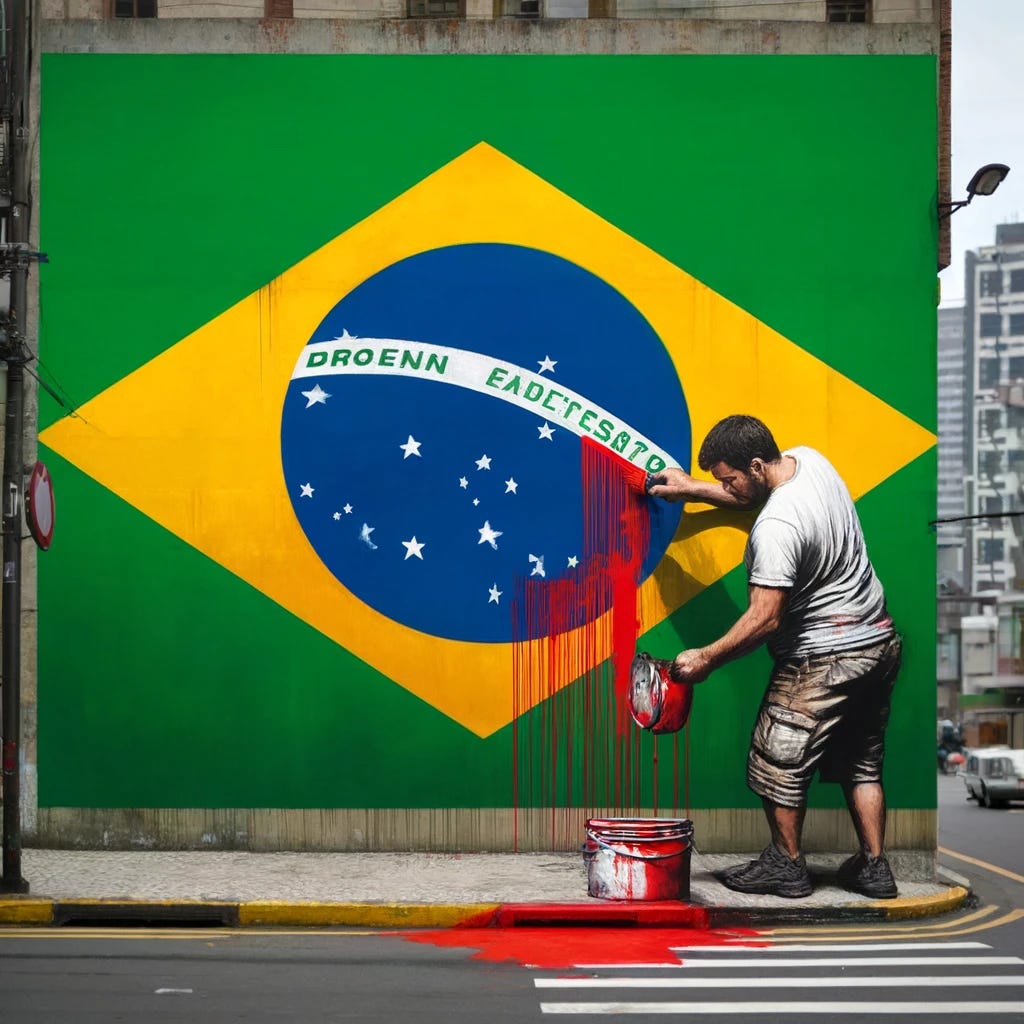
968	965
990	837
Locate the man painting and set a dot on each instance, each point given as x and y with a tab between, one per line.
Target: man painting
814	599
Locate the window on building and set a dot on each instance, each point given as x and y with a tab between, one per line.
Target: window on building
990	550
1017	280
990	282
1015	369
520	8
993	506
848	10
436	8
991	325
278	9
988	373
989	464
134	8
1017	323
991	419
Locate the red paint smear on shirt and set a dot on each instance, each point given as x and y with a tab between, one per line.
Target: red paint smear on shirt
559	948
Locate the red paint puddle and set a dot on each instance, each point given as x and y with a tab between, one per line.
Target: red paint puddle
560	948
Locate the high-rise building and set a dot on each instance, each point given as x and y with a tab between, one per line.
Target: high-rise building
951	506
952	497
994	321
992	659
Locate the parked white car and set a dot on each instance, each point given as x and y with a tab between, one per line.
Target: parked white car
994	775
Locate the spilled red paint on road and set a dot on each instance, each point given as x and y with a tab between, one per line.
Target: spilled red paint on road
560	948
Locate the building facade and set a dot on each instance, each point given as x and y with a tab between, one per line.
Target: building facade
995	321
878	12
993	657
217	685
953	465
952	582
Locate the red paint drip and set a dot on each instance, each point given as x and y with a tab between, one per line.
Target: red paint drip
563	948
574	682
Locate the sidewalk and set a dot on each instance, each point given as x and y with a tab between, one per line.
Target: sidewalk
423	890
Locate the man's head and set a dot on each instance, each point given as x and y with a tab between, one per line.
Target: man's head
737	453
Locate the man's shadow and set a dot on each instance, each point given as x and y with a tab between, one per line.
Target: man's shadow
678	586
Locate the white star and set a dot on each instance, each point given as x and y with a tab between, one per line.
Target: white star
347	509
413	547
317	394
463	482
489	536
495	594
511	485
547	364
545	432
538	565
573	562
411	447
345	336
483	462
307	491
336	516
476	501
364	536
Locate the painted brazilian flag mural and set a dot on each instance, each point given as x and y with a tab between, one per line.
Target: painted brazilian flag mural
337	330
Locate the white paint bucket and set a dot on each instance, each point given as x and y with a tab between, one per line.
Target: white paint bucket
638	858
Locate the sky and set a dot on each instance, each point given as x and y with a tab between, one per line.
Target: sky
987	120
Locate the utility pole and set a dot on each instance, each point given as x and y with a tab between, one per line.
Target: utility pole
15	259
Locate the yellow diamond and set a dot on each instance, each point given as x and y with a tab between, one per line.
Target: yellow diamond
192	438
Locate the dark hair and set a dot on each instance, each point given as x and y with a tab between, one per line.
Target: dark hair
737	441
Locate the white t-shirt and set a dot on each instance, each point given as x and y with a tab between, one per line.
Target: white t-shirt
807	538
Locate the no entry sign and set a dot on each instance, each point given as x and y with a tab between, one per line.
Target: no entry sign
39	506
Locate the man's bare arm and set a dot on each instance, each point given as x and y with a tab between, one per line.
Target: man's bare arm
765	608
674	484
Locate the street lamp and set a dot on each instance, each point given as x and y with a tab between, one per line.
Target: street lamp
984	182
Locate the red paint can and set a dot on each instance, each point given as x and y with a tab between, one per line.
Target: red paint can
656	702
638	858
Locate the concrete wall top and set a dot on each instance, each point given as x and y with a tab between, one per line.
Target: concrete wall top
505	36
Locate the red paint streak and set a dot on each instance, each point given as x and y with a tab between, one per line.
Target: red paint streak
573	683
686	768
561	948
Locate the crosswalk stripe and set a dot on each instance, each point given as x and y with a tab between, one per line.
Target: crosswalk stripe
858	961
696	963
781	1009
906	981
815	947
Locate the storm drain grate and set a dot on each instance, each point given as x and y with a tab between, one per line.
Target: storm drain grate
144	915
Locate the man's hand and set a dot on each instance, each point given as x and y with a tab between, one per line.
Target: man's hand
690	666
673	484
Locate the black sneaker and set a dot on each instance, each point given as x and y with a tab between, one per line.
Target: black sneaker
772	874
867	875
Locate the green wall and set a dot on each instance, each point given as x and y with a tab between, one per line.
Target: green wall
174	186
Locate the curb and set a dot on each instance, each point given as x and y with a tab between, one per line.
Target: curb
21	911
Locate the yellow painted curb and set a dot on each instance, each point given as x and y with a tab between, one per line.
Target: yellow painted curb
366	915
922	906
26	911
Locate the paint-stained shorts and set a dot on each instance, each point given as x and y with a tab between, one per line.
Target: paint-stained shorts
825	713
